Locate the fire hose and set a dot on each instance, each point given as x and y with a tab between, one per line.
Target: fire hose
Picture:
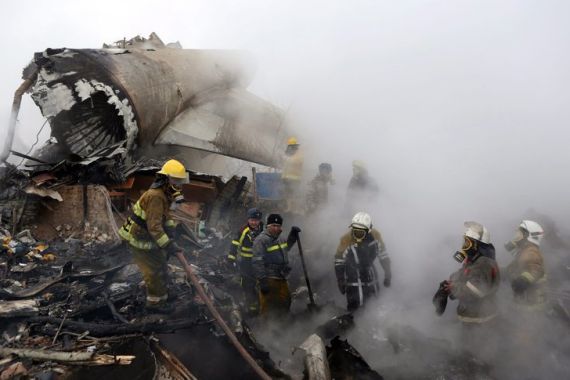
209	304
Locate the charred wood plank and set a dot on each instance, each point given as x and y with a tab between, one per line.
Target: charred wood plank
99	329
82	358
23	308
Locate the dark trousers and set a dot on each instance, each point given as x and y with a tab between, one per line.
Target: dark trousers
354	297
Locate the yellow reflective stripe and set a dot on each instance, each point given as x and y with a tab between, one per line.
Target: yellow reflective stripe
235	242
276	247
140	244
475	290
137	209
156	299
231	257
246	249
243	234
163	240
528	276
124	234
170	223
246	254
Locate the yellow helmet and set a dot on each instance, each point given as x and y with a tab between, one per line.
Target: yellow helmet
175	171
292	141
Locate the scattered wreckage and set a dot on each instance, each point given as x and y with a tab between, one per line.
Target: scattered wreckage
71	302
71	298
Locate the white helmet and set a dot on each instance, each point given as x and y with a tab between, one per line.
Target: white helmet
361	220
535	231
477	231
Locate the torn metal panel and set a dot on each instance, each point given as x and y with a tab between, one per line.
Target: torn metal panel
232	122
95	98
43	192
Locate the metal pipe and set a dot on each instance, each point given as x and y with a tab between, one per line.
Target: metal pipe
242	351
9	139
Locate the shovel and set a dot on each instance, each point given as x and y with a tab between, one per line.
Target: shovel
312	305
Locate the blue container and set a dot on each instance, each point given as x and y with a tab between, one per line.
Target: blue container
269	186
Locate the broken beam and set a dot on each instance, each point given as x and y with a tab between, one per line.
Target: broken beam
83	358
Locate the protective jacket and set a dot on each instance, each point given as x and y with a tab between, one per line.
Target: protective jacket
271	256
475	286
241	251
354	266
528	265
293	166
242	244
146	228
318	193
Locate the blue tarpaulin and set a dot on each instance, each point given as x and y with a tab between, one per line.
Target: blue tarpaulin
268	186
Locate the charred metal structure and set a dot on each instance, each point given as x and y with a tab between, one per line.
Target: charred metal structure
142	93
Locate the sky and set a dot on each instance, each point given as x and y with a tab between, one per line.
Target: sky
459	108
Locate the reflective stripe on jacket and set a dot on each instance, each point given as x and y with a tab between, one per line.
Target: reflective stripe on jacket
242	245
145	229
270	257
475	286
354	260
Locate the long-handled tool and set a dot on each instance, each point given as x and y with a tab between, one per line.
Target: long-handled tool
312	305
231	336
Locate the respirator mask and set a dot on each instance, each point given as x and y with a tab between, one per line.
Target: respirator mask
359	234
463	253
515	241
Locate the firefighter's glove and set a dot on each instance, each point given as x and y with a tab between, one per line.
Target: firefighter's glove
341	286
520	284
180	230
172	248
447	287
264	285
387	282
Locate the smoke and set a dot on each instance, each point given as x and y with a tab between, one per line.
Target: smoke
460	110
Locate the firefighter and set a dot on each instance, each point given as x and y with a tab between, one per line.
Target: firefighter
318	193
271	266
362	188
526	271
477	282
240	255
149	232
292	173
354	262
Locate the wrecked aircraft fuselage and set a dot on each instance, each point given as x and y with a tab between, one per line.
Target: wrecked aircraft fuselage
148	95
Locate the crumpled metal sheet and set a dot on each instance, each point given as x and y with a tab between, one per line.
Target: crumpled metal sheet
95	98
232	122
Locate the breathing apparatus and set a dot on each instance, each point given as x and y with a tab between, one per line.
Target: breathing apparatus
474	234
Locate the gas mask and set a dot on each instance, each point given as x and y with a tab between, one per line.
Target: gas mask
175	194
515	241
469	245
359	234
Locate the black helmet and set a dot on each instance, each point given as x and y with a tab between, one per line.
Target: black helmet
274	219
254	213
325	167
